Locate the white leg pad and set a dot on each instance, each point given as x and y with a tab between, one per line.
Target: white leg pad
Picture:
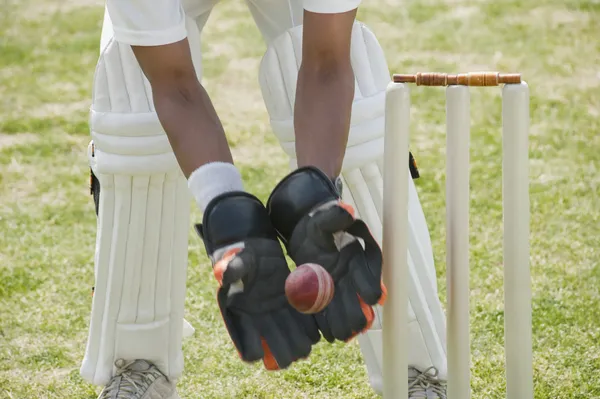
364	191
363	182
142	226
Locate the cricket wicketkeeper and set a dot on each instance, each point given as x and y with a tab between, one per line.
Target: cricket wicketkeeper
156	139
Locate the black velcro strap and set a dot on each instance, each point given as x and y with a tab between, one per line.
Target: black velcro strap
95	190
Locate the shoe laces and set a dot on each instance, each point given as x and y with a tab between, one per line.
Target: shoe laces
131	380
426	384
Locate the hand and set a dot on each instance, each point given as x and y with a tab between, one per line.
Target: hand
317	227
251	269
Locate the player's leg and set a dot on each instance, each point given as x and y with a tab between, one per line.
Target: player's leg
142	202
236	229
281	26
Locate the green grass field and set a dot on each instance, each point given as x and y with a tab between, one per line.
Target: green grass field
48	51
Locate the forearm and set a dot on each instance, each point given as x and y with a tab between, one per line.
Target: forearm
192	125
322	115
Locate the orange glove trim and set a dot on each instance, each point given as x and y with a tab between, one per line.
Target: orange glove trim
384	294
222	264
268	359
348	208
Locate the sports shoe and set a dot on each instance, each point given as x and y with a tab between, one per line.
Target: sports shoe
425	384
138	379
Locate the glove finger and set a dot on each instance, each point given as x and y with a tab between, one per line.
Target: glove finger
336	316
278	352
250	346
324	326
300	343
356	318
369	314
366	285
231	323
334	218
309	325
373	257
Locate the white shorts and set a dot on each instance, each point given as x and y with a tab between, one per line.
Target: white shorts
159	22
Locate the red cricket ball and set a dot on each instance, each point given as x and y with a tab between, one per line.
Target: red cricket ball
309	288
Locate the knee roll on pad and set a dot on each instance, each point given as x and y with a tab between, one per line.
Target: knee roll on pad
143	207
362	177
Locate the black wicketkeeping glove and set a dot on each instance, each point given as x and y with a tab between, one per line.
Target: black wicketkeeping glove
249	264
317	227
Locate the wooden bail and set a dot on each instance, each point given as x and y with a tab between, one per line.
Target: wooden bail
461	79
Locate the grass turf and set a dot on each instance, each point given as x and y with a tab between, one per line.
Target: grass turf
48	51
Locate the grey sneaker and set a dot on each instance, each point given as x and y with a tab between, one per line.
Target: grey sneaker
138	379
425	384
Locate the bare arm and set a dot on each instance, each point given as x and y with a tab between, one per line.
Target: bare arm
325	91
183	106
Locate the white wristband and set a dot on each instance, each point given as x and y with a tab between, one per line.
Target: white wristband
330	6
213	179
